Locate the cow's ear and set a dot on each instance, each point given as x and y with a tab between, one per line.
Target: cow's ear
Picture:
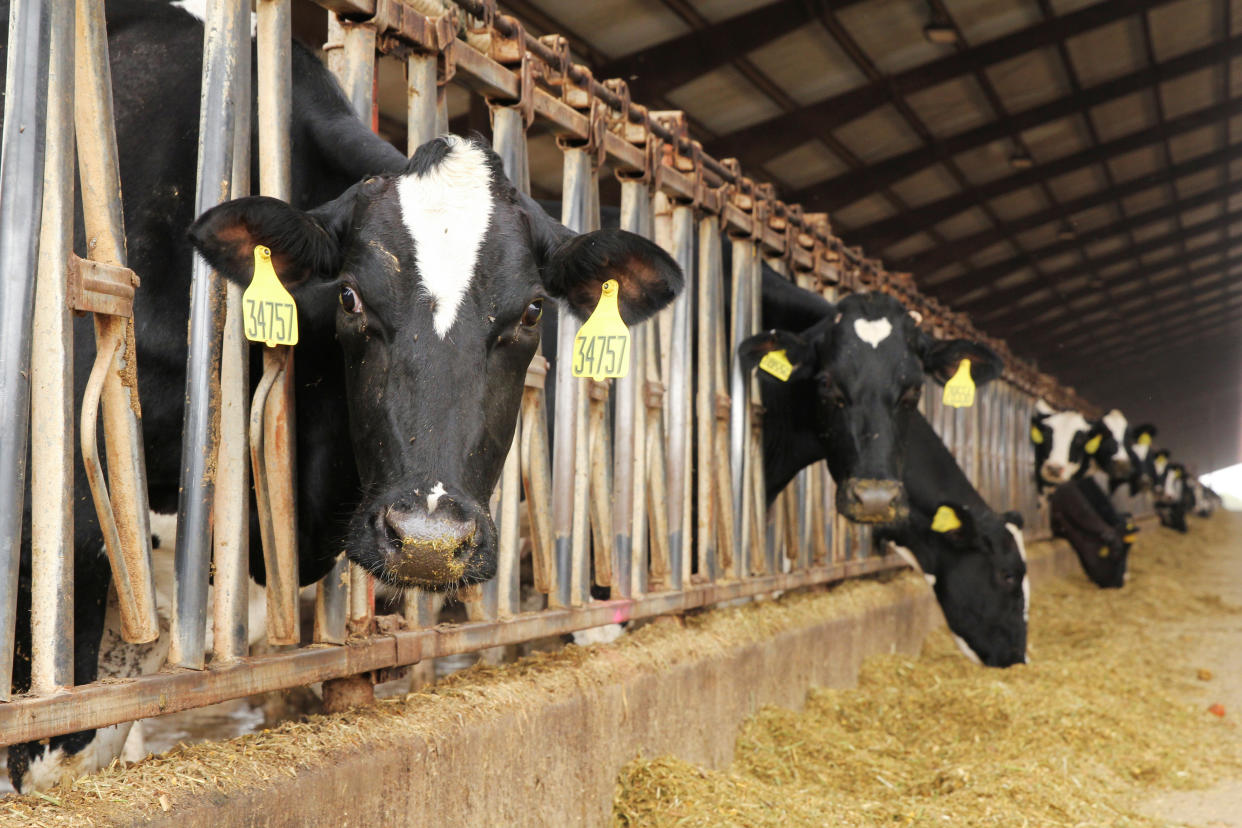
798	352
574	267
1144	434
941	358
1015	518
954	522
304	245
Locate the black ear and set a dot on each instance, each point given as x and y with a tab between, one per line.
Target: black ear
303	244
1146	428
1013	517
574	267
941	358
799	352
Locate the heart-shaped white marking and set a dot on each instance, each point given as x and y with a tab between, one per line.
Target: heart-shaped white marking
873	331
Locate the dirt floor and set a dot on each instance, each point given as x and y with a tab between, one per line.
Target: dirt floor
1108	726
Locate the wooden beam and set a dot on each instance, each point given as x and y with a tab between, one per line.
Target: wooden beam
847	188
760	142
880	234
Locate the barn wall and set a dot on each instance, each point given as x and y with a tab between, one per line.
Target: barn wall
557	752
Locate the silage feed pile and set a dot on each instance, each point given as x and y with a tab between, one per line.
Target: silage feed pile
1099	719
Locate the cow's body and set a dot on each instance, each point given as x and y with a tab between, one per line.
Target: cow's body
394	459
973	558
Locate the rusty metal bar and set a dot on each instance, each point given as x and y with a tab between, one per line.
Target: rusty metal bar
99	705
122	503
230	616
51	381
227	22
710	274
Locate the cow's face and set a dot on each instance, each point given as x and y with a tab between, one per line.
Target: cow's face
861	371
1065	443
433	282
976	565
1119	462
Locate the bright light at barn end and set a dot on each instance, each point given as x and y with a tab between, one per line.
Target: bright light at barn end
1227	483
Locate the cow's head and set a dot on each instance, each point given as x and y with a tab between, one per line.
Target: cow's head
433	281
976	565
856	374
1065	444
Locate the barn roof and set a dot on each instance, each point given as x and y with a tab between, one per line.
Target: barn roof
1061	170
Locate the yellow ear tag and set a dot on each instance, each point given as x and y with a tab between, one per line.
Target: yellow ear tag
1037	436
602	346
1144	439
1177	472
777	364
269	312
959	392
1129	538
1093	445
1105	551
945	520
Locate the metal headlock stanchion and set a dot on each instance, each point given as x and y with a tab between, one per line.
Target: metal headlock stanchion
51	378
21	202
227	23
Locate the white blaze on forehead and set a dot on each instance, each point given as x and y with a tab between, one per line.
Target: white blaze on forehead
1117	424
1140	450
1064	426
447	209
433	498
873	331
1026	578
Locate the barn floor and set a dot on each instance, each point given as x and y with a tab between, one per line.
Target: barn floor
1108	726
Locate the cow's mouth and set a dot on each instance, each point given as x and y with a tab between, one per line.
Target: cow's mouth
872	501
440	550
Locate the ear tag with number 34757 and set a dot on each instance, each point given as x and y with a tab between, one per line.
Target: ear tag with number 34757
959	392
602	345
268	311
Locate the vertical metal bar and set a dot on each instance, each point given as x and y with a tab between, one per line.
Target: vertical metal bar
51	372
722	408
21	200
680	402
630	513
421	94
740	413
231	541
226	23
571	464
705	397
509	133
123	513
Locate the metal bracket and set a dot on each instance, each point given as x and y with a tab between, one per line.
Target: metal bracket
95	287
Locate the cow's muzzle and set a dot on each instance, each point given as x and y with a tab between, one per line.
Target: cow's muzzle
450	544
872	501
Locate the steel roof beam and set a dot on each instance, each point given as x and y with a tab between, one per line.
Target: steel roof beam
760	142
847	188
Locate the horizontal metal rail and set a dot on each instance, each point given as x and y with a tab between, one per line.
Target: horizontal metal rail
99	705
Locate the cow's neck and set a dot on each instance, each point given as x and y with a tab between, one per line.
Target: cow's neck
790	443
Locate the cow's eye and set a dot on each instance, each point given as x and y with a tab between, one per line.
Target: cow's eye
534	312
350	300
910	397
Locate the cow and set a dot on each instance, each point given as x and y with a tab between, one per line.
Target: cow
1172	498
854	372
420	285
973	558
1127	463
1068	448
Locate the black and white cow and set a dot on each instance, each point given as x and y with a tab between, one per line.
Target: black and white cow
856	370
973	558
1068	448
1173	500
420	286
1128	463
